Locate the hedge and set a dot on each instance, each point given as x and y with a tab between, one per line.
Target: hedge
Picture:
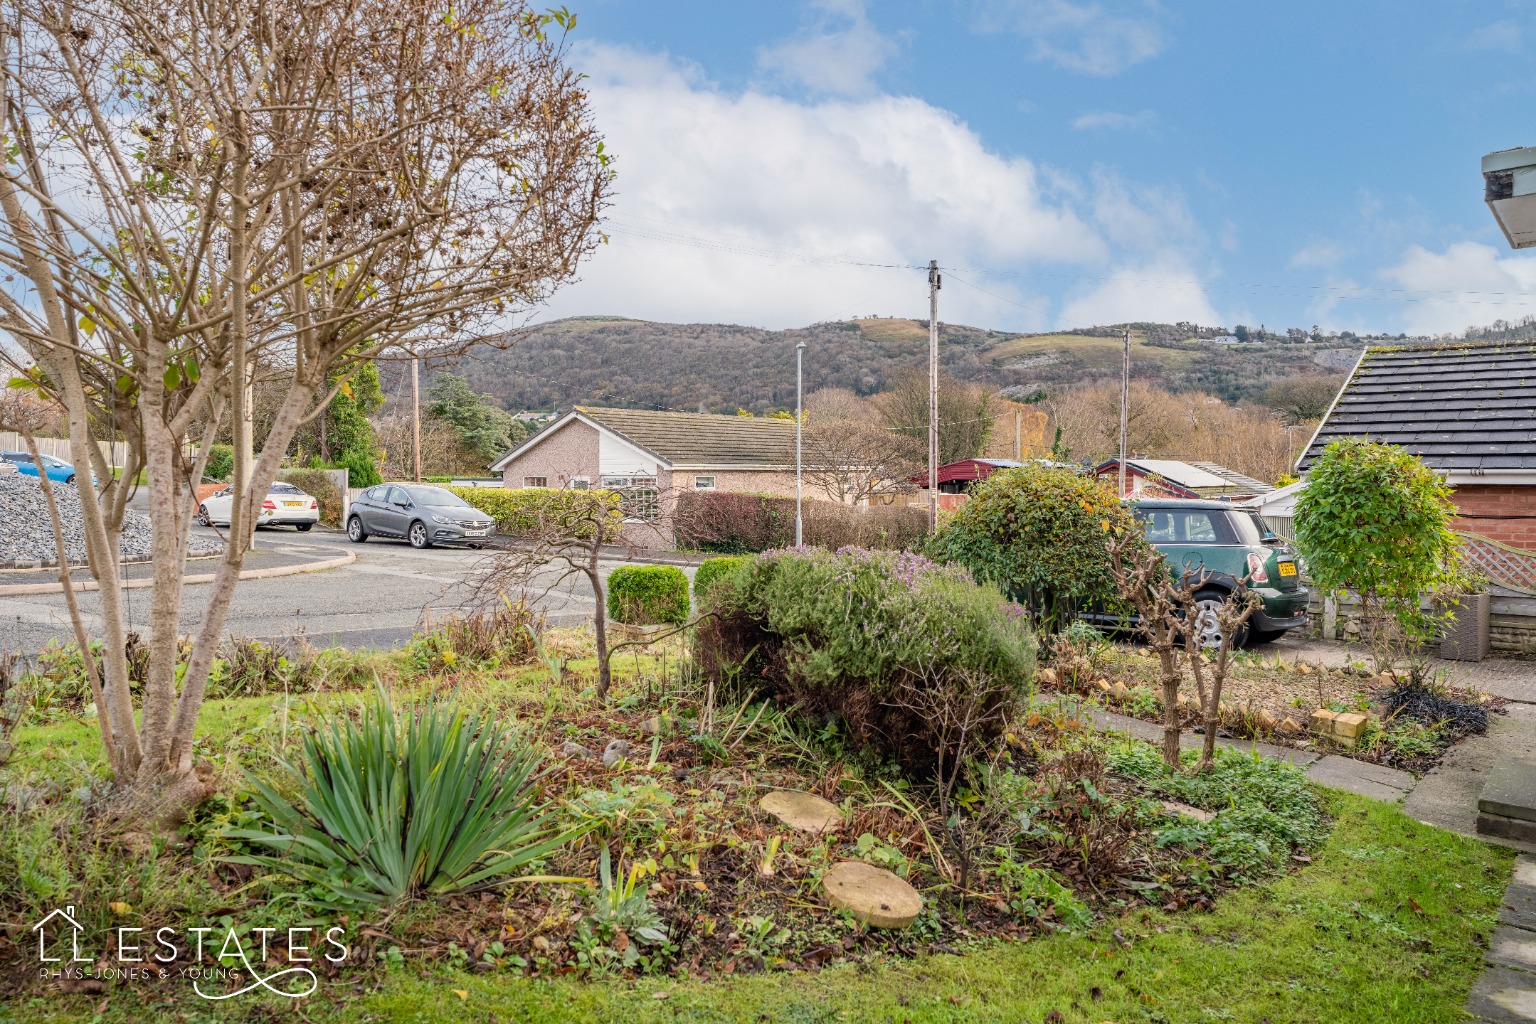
648	595
317	484
710	570
734	524
520	512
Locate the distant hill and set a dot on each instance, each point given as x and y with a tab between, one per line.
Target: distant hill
723	367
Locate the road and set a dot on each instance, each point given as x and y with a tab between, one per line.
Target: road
378	601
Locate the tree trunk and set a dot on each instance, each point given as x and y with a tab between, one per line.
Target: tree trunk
599	619
1170	709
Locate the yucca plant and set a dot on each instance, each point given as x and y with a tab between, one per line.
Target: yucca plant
391	808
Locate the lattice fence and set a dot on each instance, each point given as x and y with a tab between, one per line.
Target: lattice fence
1510	567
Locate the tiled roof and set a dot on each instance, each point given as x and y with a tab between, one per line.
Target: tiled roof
1454	406
702	439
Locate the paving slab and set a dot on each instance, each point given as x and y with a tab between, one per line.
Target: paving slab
1372	780
1153	733
1510	789
1447	796
1519	906
1513	947
1503	995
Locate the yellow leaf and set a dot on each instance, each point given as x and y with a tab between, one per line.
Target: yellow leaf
120	909
462	993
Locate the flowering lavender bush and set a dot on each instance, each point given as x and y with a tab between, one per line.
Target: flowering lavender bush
857	633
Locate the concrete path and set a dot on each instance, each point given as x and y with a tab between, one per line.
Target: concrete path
1511	678
1506	991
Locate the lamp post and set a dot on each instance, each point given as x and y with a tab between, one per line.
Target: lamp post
799	421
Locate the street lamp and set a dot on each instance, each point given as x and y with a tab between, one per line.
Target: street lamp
799	420
1509	189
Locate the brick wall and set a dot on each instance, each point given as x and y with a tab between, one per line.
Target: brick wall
1503	513
776	482
569	452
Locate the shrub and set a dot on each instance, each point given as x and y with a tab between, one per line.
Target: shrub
394	807
361	469
526	511
710	570
644	595
1038	532
319	484
1375	519
734	524
221	463
506	634
889	642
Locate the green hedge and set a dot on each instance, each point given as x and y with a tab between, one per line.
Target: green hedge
520	512
317	483
221	463
711	569
648	595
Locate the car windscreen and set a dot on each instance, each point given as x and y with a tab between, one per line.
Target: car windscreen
282	488
436	496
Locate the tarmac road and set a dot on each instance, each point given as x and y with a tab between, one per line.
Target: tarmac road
379	601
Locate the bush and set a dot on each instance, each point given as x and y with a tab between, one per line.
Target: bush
735	524
889	642
710	570
221	463
507	634
318	484
522	512
1039	533
646	595
361	470
394	807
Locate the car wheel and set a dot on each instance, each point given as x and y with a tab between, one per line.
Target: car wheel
1207	604
202	515
304	527
355	532
418	535
70	480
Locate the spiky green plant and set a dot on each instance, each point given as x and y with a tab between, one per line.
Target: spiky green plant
394	807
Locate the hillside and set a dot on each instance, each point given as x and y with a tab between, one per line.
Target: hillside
722	367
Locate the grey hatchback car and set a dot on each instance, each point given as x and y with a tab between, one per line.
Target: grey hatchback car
418	513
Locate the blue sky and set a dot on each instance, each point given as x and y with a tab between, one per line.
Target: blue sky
1071	161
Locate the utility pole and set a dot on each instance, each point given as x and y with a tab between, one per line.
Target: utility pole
799	420
1018	436
416	416
1125	400
934	283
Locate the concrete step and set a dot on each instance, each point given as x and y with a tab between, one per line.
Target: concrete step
1507	806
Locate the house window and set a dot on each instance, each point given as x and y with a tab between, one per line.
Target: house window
580	483
641	500
535	481
703	483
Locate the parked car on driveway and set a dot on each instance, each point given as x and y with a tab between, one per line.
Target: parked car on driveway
285	505
57	469
421	514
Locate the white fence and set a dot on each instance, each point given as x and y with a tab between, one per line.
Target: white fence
116	452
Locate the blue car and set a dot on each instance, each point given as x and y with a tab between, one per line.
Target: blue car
57	469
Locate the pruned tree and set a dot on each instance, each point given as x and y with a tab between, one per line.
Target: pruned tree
1208	649
202	193
565	539
849	453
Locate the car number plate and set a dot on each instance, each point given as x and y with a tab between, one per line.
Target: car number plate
293	504
1287	568
475	533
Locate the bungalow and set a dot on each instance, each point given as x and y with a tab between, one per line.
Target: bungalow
1468	411
1169	478
655	455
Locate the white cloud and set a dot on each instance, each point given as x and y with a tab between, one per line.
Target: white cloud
1321	254
1107	120
1096	37
1498	37
1468	283
838	54
730	203
1162	290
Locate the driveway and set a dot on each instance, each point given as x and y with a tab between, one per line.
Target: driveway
378	601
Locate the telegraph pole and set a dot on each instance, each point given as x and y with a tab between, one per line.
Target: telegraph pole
799	419
934	283
1018	435
1125	399
416	416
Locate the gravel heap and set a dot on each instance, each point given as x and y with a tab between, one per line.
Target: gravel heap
26	532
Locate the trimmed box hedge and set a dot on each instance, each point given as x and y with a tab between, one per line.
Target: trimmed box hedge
648	595
711	569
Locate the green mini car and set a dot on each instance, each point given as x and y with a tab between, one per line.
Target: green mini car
1231	545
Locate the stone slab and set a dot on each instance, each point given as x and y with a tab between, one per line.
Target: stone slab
876	896
1504	996
1513	947
1510	790
1519	906
805	812
1370	780
1500	827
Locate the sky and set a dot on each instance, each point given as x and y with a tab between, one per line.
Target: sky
1067	162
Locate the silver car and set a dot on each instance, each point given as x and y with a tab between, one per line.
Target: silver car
418	513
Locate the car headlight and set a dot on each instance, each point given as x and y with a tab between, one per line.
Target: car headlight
441	519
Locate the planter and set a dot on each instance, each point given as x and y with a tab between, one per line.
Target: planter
1466	631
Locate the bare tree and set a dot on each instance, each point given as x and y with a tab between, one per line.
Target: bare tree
207	192
965	413
1207	647
850	455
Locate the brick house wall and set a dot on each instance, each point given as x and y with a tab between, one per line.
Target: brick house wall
775	482
572	451
1499	512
